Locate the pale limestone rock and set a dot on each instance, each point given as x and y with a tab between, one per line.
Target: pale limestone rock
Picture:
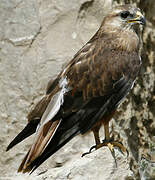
99	165
36	39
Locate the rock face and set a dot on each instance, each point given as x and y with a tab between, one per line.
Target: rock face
36	39
98	165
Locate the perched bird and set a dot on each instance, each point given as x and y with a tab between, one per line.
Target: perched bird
87	91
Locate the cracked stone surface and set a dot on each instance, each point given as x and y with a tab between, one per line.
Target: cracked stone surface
37	38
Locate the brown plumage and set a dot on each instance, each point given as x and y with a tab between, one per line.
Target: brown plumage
86	93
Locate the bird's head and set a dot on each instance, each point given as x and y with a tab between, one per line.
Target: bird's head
119	24
124	17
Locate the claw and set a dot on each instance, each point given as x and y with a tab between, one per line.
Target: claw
111	148
90	150
123	152
121	148
127	152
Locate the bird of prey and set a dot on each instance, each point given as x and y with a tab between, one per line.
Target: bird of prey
87	92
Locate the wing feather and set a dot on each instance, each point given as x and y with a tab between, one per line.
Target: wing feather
43	137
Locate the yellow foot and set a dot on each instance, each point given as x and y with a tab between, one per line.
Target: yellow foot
112	144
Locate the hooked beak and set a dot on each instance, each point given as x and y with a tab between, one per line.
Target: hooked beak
140	19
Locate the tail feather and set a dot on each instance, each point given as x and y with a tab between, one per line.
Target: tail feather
43	137
50	151
63	133
26	132
23	162
59	140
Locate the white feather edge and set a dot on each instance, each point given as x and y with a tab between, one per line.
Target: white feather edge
52	135
51	110
54	104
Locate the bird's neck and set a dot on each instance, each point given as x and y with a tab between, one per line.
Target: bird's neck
122	39
128	40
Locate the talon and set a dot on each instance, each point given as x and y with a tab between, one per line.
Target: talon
127	152
120	147
93	147
111	147
84	154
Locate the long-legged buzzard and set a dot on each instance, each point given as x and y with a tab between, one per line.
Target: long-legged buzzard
87	91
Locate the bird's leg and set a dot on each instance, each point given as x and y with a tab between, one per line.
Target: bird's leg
106	142
111	143
97	140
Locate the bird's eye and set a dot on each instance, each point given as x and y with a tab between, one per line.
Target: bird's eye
124	14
